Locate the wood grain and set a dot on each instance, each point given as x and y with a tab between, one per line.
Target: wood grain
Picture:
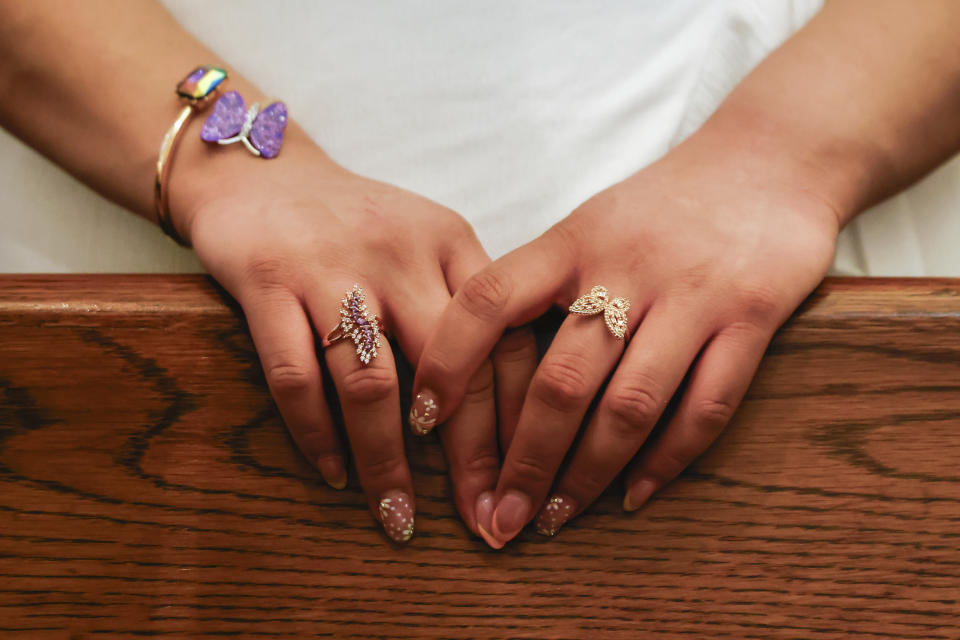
147	488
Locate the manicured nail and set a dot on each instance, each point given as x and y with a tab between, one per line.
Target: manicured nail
423	413
396	515
639	493
333	471
511	515
484	509
554	515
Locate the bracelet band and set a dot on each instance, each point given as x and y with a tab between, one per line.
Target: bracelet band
170	140
195	90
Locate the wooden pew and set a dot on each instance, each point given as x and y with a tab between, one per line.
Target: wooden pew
148	488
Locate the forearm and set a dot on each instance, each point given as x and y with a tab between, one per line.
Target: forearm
859	104
90	85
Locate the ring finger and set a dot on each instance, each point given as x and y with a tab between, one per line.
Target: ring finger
370	400
654	365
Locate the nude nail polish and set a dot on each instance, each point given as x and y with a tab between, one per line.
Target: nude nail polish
511	515
333	472
396	515
423	413
484	511
638	494
554	514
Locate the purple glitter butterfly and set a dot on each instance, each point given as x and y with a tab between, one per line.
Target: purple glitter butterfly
260	131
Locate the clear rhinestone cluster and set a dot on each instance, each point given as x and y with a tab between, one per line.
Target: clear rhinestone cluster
614	311
358	323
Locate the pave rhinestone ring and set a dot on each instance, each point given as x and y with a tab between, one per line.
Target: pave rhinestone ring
614	311
357	324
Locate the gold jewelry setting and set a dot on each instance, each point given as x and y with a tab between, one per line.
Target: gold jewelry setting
614	311
357	324
196	91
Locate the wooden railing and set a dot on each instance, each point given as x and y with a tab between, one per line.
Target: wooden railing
148	488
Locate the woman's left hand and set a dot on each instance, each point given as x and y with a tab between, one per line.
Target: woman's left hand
712	255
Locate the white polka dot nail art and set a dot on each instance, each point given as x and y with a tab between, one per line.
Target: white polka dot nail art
396	515
554	515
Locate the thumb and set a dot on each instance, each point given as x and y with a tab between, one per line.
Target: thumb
508	292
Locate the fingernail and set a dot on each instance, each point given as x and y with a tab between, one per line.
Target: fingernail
333	471
484	509
511	515
423	413
396	515
639	493
554	515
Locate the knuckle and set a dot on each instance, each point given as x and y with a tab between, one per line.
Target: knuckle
461	231
480	386
266	272
662	465
591	483
531	470
288	378
742	333
434	370
635	407
485	294
672	461
668	461
692	281
759	306
566	237
319	443
320	456
386	465
560	382
481	461
711	415
516	346
369	384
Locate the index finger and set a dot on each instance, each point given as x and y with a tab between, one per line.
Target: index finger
509	292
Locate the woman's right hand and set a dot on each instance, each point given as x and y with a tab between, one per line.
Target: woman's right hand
287	238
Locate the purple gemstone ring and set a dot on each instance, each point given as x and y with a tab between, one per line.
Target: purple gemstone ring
357	324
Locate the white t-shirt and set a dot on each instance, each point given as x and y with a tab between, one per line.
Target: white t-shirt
512	113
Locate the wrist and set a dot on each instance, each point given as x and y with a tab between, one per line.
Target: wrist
203	172
768	152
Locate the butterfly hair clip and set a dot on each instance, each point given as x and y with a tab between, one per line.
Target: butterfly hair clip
260	130
614	311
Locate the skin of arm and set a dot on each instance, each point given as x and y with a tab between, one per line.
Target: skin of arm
91	86
858	105
715	244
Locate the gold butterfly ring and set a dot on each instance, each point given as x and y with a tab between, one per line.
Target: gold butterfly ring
614	311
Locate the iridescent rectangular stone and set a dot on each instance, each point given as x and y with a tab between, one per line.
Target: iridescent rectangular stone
201	82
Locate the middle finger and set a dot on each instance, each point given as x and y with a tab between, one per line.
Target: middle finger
370	400
572	371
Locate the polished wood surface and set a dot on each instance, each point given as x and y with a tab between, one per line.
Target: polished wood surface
147	488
